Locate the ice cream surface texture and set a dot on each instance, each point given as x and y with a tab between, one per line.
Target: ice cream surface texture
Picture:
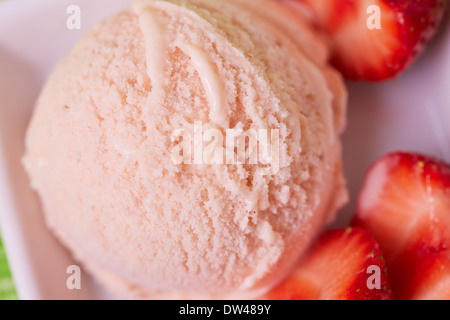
99	149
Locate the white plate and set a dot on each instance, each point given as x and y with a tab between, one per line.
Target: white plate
411	113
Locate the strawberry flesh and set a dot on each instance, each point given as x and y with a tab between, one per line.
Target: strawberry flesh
337	268
405	204
360	53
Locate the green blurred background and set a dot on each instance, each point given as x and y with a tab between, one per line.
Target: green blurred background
7	290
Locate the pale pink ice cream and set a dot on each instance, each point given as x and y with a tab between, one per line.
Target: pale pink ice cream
100	143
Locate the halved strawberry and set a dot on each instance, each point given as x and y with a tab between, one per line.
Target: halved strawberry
344	264
360	50
405	204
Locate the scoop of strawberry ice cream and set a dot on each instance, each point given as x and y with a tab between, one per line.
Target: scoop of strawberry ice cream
100	147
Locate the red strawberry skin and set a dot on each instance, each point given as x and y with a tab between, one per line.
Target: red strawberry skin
360	53
405	204
336	268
